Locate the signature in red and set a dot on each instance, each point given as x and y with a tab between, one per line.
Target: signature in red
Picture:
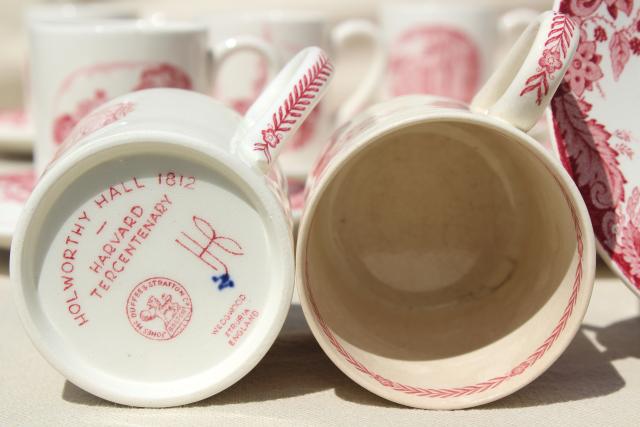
208	246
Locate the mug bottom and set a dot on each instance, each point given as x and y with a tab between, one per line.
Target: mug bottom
152	274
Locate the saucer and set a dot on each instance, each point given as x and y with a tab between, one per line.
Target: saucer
16	132
17	179
596	131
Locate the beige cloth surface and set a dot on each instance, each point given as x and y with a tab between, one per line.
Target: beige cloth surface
596	382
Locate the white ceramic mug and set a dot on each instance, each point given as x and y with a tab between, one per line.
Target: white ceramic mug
77	65
242	78
16	127
443	48
445	259
153	263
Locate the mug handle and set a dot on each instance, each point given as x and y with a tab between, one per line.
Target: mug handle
282	107
514	21
524	83
223	50
370	82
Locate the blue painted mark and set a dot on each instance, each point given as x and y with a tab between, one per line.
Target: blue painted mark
223	281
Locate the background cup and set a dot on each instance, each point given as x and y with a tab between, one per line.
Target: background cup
72	12
444	259
16	127
243	77
78	65
444	48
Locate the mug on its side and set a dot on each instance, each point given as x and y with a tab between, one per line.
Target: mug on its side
445	259
153	263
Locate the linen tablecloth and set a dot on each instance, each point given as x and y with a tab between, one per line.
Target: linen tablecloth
595	382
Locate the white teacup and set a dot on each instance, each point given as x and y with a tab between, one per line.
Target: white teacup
445	259
153	263
77	65
19	135
443	48
242	78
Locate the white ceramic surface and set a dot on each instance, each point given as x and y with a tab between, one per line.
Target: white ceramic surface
444	258
241	79
107	58
596	129
153	263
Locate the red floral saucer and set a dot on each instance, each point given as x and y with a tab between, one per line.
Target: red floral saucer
596	126
16	132
17	179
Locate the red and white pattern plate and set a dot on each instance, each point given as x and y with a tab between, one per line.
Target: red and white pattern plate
17	179
16	132
596	130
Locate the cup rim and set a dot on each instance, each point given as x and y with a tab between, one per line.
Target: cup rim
116	26
70	10
139	393
468	7
279	16
404	394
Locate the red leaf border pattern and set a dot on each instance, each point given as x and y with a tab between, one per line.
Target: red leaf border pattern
556	45
483	386
294	105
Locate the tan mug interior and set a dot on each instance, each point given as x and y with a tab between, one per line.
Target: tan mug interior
440	255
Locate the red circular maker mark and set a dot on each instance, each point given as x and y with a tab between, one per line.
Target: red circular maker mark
159	308
436	60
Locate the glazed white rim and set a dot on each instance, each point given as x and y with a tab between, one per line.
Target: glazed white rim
70	10
178	392
116	26
17	138
277	16
6	235
469	7
562	341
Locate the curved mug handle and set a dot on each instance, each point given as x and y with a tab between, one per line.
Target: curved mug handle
524	83
370	82
223	50
514	21
282	107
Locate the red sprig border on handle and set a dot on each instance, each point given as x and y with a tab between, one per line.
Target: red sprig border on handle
555	52
294	105
481	386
